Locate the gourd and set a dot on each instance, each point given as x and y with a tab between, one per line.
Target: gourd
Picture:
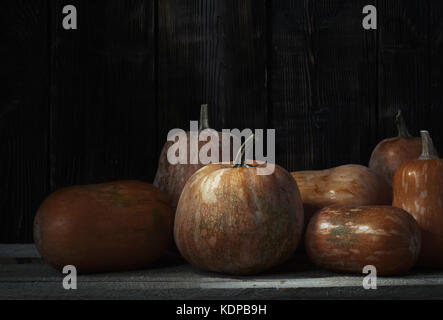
171	178
110	226
231	220
418	189
348	238
344	185
390	153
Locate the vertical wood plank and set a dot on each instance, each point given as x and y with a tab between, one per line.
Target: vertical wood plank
103	114
404	65
214	52
434	112
23	116
324	89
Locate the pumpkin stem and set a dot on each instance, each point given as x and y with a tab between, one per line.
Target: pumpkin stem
428	150
240	158
204	118
401	125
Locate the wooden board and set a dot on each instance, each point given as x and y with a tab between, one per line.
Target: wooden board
103	106
24	115
174	279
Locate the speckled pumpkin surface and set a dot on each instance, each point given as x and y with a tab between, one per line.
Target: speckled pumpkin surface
418	189
344	185
104	227
231	220
347	238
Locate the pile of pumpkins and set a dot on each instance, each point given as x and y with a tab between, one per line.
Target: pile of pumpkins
226	218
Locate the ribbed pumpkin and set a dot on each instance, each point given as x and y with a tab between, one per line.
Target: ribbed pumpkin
171	178
231	220
418	189
104	227
390	153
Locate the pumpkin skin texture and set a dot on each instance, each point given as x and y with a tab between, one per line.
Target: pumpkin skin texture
231	220
111	226
347	238
390	153
418	189
344	185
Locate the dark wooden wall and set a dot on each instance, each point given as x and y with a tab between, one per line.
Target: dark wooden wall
95	104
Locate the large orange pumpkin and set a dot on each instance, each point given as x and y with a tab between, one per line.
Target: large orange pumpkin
171	178
104	227
231	220
348	238
418	189
390	153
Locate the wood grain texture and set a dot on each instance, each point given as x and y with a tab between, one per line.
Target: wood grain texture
24	115
433	114
323	86
103	110
213	52
404	67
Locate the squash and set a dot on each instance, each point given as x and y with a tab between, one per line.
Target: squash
171	178
344	185
347	238
231	220
390	153
418	189
111	226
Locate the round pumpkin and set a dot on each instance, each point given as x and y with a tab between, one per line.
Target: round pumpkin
171	178
390	153
418	189
348	238
344	185
231	220
104	227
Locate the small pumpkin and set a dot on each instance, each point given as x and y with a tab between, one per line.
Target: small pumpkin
418	189
171	178
390	153
110	226
347	238
231	220
344	185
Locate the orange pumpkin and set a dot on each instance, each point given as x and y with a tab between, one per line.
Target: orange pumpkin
171	178
344	185
347	238
104	227
418	189
390	153
231	220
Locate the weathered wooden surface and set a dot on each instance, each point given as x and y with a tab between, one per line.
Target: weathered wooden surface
23	275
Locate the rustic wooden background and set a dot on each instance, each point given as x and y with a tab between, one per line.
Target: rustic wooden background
95	104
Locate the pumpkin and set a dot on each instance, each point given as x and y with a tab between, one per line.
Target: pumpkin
231	220
171	178
390	153
418	189
344	185
347	238
104	227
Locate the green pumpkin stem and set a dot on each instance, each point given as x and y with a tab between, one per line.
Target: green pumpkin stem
241	154
401	125
204	118
428	150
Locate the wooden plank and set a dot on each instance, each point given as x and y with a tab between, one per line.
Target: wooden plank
434	112
404	66
323	89
214	52
103	114
24	115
